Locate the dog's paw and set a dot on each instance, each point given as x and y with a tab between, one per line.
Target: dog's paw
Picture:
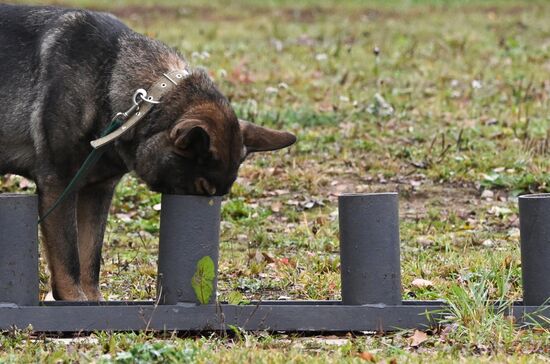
49	297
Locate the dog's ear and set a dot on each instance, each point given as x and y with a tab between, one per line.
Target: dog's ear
190	139
259	139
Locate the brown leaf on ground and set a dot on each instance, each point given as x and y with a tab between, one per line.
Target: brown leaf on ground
268	258
256	256
276	206
417	338
422	283
365	355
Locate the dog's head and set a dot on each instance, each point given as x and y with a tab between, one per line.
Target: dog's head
199	150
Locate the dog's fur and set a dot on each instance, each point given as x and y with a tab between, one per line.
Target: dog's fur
64	74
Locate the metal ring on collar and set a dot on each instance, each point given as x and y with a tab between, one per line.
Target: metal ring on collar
141	93
148	99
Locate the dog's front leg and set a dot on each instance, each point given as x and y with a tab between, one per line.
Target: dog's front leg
59	233
93	208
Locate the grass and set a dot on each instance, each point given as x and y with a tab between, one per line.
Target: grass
439	100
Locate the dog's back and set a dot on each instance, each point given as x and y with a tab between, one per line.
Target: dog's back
20	34
29	36
46	51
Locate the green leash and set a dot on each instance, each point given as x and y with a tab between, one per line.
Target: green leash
82	172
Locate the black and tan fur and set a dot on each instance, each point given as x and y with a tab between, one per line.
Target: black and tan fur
64	73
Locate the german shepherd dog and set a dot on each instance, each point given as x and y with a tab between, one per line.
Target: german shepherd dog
65	73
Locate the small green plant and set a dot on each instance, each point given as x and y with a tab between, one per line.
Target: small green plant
478	319
518	184
158	352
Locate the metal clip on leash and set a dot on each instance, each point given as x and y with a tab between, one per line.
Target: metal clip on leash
139	97
129	119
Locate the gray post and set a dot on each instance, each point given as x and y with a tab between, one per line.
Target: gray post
369	248
189	231
19	249
534	221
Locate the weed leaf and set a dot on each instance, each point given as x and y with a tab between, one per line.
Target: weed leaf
203	279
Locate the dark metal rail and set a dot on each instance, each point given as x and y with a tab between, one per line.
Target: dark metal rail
371	282
282	316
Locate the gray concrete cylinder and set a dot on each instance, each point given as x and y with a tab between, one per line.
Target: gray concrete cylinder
369	248
19	249
189	231
534	219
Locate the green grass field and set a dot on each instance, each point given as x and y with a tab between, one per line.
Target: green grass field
446	102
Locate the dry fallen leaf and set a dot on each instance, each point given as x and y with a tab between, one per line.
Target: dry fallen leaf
365	355
417	338
25	183
276	206
256	256
507	263
268	257
422	283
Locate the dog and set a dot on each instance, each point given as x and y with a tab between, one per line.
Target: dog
65	73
